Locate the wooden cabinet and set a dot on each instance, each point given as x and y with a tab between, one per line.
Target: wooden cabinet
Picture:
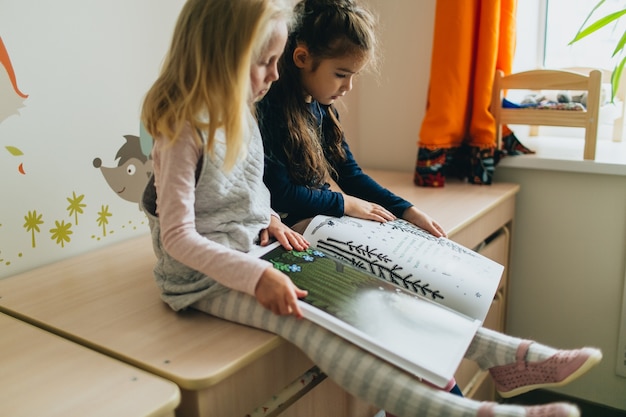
474	382
478	217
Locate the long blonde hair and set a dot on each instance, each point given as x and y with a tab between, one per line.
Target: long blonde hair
205	79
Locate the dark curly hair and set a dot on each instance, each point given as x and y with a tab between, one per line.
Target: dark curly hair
329	29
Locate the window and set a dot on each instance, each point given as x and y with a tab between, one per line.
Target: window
563	19
544	30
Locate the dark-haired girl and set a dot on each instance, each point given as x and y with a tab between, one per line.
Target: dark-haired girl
331	42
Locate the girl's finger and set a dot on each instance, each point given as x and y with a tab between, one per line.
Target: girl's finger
264	237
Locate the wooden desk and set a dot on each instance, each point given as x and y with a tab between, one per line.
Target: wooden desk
107	300
42	374
469	213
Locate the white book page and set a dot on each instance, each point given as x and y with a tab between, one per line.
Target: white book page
419	337
436	268
409	331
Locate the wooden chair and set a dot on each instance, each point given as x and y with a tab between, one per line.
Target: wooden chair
615	110
550	80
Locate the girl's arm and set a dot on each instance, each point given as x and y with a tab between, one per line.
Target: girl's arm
423	220
353	181
286	236
298	200
368	199
276	292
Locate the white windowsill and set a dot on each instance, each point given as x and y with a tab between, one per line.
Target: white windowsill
564	153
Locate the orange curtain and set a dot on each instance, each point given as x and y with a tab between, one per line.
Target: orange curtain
472	39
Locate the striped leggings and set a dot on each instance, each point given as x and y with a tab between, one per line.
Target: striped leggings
362	374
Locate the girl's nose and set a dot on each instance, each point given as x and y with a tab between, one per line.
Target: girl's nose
347	85
273	75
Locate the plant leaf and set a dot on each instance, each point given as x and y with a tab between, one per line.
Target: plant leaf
620	45
597	25
616	78
600	3
14	151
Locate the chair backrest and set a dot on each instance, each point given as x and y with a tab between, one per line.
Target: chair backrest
617	112
558	80
607	74
544	79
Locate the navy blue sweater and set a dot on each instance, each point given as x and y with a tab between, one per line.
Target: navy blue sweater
297	201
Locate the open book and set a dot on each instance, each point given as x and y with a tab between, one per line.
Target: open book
393	289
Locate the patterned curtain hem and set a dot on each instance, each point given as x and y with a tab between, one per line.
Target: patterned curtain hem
474	164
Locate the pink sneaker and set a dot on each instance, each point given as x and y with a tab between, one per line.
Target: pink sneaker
560	369
548	410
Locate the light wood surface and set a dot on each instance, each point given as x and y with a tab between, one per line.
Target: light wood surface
107	300
42	374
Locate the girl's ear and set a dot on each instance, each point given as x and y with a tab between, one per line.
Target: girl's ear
301	56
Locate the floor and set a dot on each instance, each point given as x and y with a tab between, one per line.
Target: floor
587	409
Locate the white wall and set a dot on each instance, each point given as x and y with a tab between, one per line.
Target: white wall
85	66
567	273
390	106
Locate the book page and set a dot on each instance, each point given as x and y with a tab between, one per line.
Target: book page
411	258
422	337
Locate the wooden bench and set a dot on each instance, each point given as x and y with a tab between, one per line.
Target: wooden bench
43	374
107	300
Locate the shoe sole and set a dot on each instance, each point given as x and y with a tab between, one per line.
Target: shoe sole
592	361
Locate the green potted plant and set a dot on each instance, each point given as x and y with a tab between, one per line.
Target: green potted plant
586	30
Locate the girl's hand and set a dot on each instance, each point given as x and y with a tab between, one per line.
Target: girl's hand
287	237
362	209
421	219
276	292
